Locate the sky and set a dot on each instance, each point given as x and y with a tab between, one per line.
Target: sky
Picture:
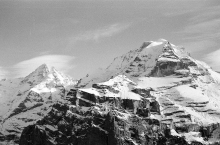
78	37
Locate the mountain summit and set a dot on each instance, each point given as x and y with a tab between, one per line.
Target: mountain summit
143	61
38	75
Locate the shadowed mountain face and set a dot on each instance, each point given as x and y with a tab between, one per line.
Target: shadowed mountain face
157	94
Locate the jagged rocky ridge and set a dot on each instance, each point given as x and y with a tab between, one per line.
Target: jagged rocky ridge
26	100
156	94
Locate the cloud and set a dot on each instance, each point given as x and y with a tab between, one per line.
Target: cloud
53	25
3	73
202	31
62	63
182	7
196	46
213	59
96	35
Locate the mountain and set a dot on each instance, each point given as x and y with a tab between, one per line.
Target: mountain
156	94
25	100
153	58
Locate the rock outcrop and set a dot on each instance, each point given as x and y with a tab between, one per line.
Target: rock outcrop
67	127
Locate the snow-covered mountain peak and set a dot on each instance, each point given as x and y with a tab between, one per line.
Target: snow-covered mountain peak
42	69
46	74
162	47
143	61
38	74
159	41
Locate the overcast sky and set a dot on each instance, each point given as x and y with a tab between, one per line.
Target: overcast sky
80	36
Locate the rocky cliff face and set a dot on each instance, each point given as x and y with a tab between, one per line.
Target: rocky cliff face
65	125
157	94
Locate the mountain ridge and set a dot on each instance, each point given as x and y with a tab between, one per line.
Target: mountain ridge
156	94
